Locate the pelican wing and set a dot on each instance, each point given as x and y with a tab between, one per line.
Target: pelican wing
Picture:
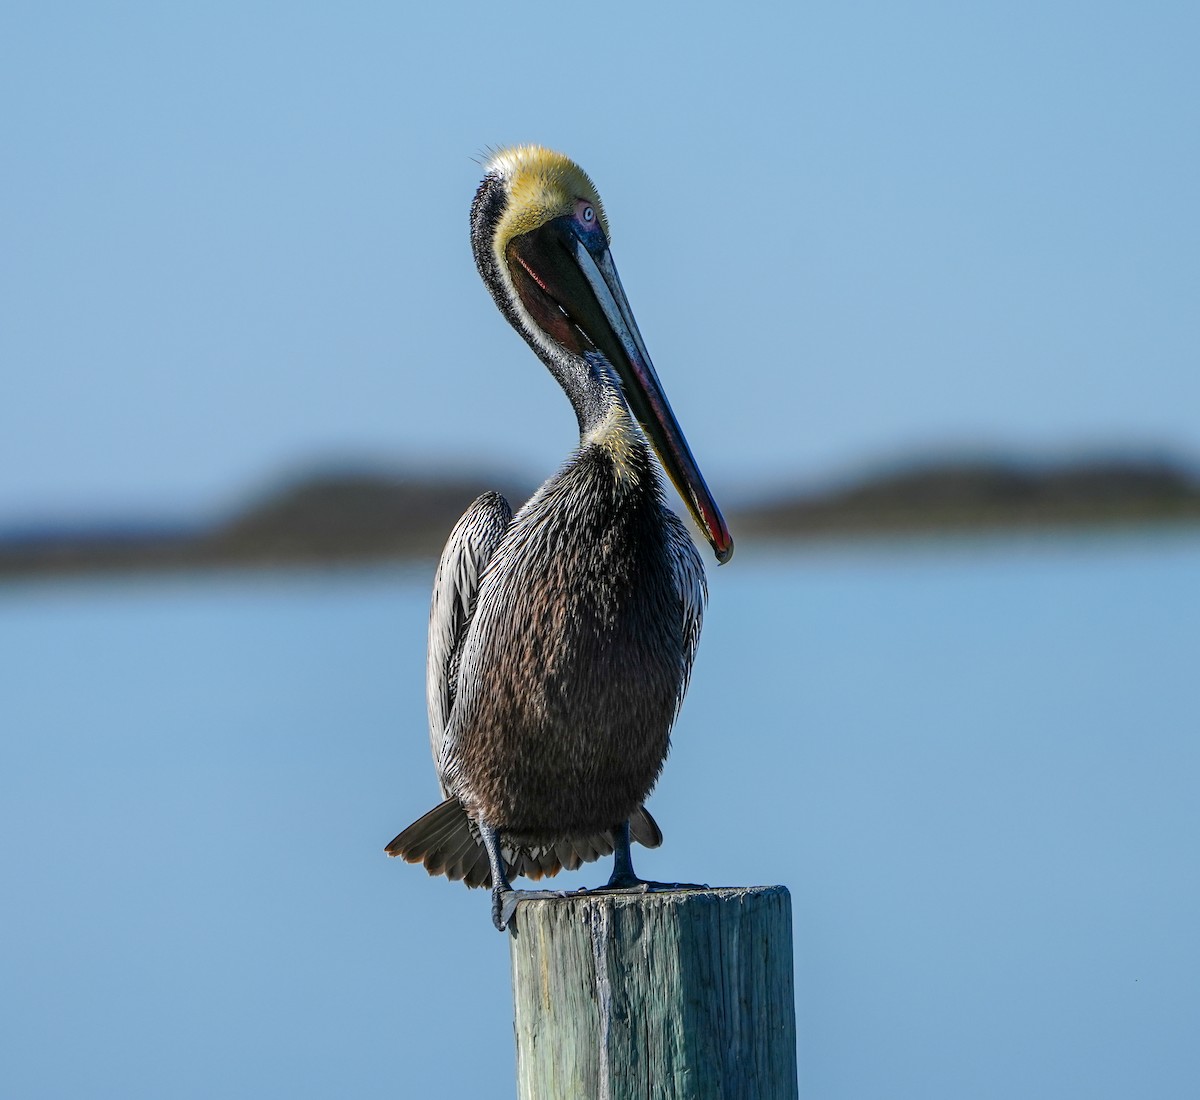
693	593
455	588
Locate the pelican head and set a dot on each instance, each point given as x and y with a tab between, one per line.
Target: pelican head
540	237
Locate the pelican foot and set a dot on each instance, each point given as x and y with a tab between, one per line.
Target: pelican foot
631	884
504	903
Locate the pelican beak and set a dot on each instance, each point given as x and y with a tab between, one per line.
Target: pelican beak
589	293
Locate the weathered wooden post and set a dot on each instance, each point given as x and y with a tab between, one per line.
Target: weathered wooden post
678	995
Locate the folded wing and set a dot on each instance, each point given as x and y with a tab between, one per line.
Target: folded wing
455	589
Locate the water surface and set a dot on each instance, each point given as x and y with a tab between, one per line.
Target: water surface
974	763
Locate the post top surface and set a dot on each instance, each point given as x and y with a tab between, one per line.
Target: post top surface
634	897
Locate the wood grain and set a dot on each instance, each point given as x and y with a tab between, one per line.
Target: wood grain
664	995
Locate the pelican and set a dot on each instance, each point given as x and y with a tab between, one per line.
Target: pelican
561	638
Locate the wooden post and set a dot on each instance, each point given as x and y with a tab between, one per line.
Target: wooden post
678	995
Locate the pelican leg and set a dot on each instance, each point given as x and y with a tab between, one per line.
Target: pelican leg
501	887
625	878
623	874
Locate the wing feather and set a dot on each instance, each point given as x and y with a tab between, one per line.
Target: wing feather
693	595
469	548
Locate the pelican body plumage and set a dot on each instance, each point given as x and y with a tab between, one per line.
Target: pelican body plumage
561	638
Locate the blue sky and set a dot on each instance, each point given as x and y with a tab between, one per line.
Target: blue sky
234	236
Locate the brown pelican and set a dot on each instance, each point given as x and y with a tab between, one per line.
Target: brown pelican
561	638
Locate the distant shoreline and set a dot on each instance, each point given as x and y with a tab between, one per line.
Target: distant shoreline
377	517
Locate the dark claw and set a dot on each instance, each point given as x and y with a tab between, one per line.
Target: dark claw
498	917
510	907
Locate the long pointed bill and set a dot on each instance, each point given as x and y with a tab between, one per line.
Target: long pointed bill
571	291
621	343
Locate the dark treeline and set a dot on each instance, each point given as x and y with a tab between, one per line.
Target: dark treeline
366	516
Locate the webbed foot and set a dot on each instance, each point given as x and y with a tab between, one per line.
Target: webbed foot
504	903
633	884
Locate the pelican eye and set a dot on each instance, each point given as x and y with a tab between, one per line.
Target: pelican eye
586	213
